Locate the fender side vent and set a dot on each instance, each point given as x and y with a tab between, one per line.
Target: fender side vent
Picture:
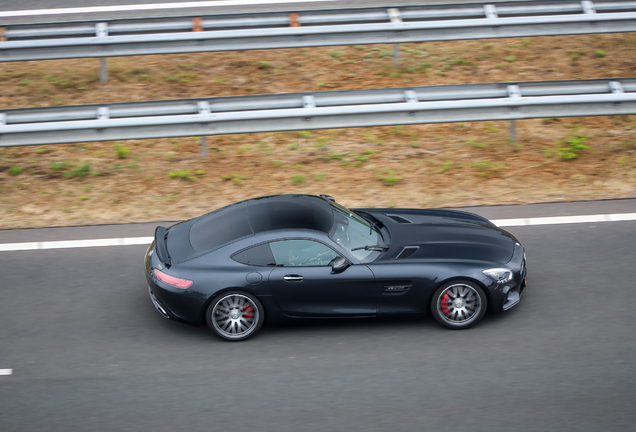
399	219
407	252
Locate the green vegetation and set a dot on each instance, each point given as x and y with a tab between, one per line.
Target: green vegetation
57	167
448	165
263	65
298	179
487	169
371	151
81	171
234	177
491	128
569	147
185	175
474	143
600	53
360	160
15	170
333	155
389	178
180	78
122	151
41	149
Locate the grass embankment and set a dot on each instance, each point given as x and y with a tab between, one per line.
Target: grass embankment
417	166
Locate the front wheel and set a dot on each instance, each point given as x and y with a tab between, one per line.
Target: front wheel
235	316
459	304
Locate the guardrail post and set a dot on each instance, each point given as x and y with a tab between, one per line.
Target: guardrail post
197	24
394	15
490	11
294	20
103	113
513	93
101	31
588	7
616	87
513	132
204	146
204	110
103	69
309	101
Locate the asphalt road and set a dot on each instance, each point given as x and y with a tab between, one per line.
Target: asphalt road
90	353
12	5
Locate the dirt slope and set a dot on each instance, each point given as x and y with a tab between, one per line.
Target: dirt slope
416	166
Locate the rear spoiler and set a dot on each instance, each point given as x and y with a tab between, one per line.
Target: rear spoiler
161	234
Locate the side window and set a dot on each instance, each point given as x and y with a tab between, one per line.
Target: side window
260	255
302	253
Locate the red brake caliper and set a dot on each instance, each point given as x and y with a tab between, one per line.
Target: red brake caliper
445	303
248	312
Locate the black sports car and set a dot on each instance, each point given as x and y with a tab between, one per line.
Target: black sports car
304	256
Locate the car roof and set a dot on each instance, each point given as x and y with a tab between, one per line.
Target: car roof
259	215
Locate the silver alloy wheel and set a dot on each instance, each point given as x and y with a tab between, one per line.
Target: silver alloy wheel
235	316
459	304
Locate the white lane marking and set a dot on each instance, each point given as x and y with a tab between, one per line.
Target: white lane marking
6	371
128	241
67	244
152	6
559	220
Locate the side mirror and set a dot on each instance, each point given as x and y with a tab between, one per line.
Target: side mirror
340	264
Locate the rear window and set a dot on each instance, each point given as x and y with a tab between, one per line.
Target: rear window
220	227
260	255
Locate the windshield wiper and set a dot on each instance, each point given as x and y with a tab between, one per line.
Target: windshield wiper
372	224
371	247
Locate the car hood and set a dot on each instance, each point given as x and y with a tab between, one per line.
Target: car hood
442	234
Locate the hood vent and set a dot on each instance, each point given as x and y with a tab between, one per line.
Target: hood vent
407	252
399	219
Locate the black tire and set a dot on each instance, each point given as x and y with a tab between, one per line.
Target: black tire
459	304
235	315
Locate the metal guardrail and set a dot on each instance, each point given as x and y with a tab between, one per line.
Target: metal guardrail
320	110
317	28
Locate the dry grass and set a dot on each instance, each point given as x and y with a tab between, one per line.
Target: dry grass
416	166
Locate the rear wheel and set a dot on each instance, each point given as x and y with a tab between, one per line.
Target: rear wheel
235	316
459	304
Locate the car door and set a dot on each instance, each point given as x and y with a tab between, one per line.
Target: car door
304	285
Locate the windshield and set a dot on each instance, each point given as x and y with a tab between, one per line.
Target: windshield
351	231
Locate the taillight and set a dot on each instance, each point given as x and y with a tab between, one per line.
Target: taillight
171	280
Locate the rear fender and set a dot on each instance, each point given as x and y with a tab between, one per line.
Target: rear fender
272	311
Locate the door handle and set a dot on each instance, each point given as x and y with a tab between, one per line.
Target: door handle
293	278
